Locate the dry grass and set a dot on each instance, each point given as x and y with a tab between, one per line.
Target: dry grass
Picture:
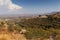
12	36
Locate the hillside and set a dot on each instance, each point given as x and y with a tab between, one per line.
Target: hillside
30	28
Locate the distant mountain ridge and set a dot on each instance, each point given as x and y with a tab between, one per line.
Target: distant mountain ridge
55	14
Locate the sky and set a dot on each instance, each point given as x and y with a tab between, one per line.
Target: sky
23	7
